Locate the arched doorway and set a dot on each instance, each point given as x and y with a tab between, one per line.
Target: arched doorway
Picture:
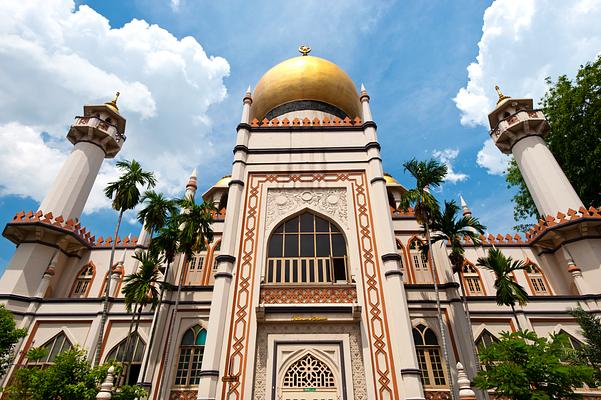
309	378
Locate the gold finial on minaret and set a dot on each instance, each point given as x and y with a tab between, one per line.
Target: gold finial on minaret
113	103
304	50
501	95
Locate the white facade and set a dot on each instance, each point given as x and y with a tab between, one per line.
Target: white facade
313	287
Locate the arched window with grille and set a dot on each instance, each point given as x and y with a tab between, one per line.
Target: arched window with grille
536	280
117	269
130	353
53	347
472	282
574	343
419	262
429	357
191	351
306	249
309	372
83	281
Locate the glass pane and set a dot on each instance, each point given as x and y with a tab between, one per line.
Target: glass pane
322	245
188	338
307	246
321	225
279	229
275	246
339	269
202	338
338	246
292	225
417	337
430	338
306	222
291	246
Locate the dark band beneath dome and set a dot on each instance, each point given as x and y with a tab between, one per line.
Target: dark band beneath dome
300	105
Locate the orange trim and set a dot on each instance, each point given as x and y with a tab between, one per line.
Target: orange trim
89	264
465	286
105	338
27	344
209	263
406	260
430	258
451	335
101	293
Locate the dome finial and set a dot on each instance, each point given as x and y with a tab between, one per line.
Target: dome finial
501	95
304	50
113	103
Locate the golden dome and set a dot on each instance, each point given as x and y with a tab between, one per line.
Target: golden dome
390	180
223	182
305	78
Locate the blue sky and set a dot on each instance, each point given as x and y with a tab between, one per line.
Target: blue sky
412	56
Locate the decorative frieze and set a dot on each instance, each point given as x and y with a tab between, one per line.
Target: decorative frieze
308	295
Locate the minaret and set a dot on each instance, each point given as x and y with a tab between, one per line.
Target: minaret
518	129
191	186
96	135
466	210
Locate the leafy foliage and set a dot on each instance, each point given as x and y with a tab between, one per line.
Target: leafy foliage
141	287
590	351
426	173
124	191
508	291
69	378
195	225
523	366
573	109
156	211
9	336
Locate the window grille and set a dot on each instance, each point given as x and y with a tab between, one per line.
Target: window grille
429	357
126	352
537	280
191	351
83	281
53	347
471	280
309	372
306	249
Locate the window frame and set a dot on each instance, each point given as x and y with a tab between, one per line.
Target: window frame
86	278
426	354
472	276
195	356
48	360
536	278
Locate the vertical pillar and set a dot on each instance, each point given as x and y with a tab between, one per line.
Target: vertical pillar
407	369
216	332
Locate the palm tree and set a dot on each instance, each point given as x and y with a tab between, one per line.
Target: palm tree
195	232
428	173
451	230
156	212
165	243
140	290
125	195
508	291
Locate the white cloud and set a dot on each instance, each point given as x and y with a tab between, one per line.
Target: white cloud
491	158
175	5
54	59
447	156
523	42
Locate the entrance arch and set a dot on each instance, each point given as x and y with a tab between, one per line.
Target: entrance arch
309	378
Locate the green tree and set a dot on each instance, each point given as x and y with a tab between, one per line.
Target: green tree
573	111
140	290
125	195
9	337
523	366
590	351
156	211
508	291
70	378
452	230
428	174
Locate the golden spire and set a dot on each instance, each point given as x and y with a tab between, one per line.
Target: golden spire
501	95
304	50
113	103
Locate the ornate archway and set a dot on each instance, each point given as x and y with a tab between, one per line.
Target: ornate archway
309	378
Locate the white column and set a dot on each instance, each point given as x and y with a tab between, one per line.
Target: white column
216	330
72	186
548	185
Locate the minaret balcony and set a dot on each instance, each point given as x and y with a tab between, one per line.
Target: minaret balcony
98	131
516	126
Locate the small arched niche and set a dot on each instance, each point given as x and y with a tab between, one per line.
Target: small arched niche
306	249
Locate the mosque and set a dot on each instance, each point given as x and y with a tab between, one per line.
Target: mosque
314	287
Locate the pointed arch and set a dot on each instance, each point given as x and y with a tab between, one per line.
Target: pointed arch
485	339
309	371
405	268
306	248
196	269
575	344
191	352
537	281
83	281
211	261
130	352
118	269
56	345
420	266
472	280
429	357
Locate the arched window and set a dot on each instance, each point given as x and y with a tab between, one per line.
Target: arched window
191	350
196	266
53	347
127	351
471	280
309	372
485	339
83	282
428	356
420	262
574	343
306	249
536	280
216	251
117	268
399	248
